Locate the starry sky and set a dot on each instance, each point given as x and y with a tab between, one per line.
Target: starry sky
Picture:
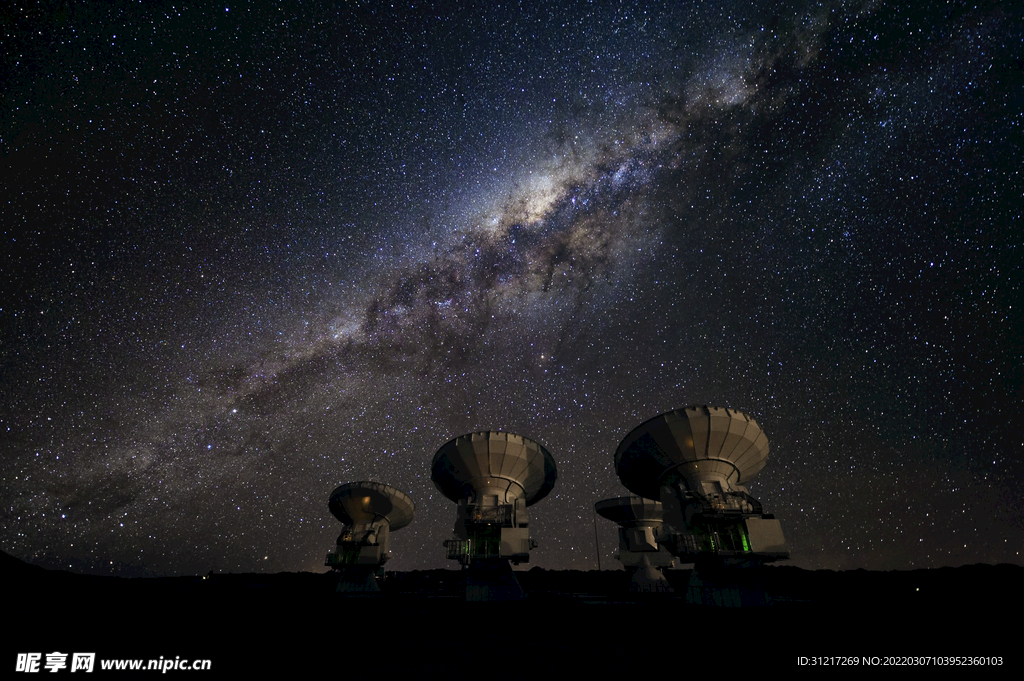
250	254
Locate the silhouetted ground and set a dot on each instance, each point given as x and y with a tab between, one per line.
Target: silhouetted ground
293	625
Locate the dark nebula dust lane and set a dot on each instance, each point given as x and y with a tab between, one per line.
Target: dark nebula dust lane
253	254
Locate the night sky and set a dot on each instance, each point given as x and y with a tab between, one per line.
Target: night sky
252	254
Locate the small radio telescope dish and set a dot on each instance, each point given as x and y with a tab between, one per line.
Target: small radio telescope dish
641	526
369	511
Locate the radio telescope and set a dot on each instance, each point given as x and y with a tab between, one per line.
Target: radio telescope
493	477
369	511
641	526
696	461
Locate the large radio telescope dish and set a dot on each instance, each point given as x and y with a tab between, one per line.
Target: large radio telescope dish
693	442
494	463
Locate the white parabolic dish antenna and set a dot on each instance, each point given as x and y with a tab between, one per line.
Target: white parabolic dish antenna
492	476
490	463
695	443
628	510
697	461
362	503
